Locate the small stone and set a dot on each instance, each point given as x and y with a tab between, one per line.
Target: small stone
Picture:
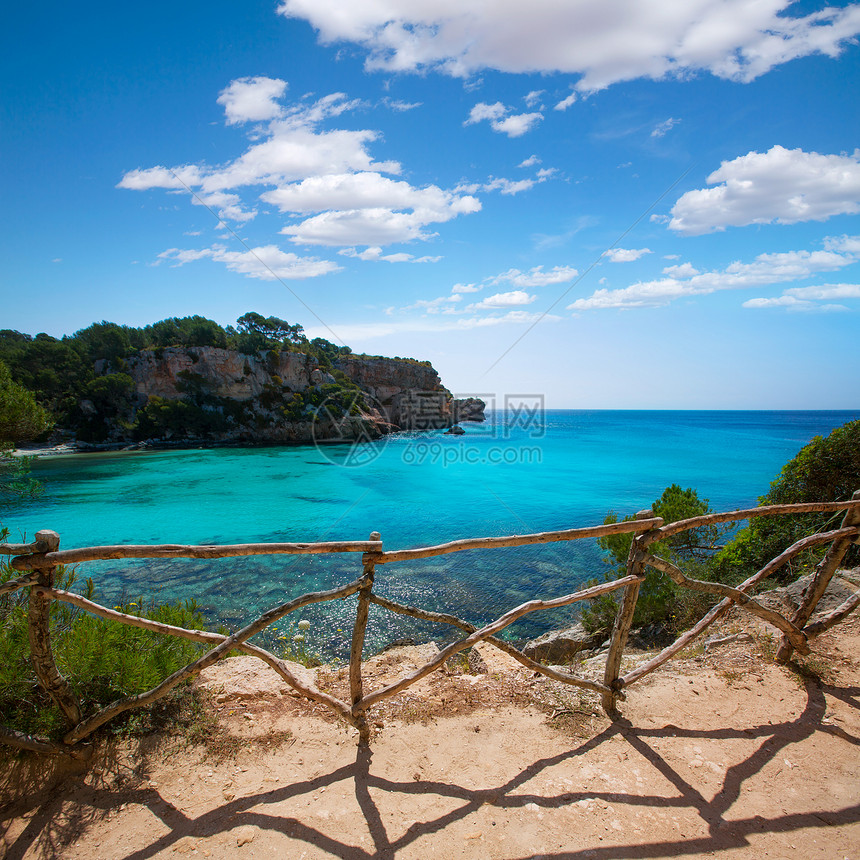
244	835
476	835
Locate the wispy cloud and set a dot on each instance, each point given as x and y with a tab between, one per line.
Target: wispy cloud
328	175
502	120
685	281
661	128
625	255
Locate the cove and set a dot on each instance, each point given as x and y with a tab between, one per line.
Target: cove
512	475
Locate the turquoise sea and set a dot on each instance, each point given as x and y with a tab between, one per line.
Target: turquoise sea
517	473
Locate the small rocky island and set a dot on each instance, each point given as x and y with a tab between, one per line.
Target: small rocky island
188	381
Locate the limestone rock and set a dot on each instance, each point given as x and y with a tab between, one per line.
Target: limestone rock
468	409
409	393
248	677
558	646
788	598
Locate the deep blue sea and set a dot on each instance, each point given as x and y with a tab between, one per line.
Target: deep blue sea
517	473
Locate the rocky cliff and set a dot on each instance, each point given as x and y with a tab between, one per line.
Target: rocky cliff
225	373
219	395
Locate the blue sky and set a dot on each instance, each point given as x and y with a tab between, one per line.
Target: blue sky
647	204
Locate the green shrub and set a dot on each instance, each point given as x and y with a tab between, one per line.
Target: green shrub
660	600
102	660
825	470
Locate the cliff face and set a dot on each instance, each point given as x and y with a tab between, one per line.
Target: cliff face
220	395
409	393
225	373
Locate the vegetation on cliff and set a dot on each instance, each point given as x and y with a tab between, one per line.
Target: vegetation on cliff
84	382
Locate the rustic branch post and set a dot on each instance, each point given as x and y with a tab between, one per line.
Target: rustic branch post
624	617
39	633
820	580
355	687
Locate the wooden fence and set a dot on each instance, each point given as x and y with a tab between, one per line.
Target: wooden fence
39	560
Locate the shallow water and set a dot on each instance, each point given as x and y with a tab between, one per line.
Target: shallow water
528	473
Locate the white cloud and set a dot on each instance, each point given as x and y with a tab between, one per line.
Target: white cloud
467	288
826	291
180	178
517	125
794	305
359	332
782	185
808	299
531	161
514	298
685	283
252	99
536	276
661	128
293	150
401	106
375	225
435	306
228	205
508	186
497	114
603	42
843	244
625	255
533	98
363	190
375	254
483	111
266	262
685	270
567	101
521	317
327	174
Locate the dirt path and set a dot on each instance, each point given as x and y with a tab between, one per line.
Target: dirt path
722	755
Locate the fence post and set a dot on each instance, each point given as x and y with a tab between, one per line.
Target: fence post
355	687
623	621
820	580
39	633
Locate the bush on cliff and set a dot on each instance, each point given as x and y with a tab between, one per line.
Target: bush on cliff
660	600
825	470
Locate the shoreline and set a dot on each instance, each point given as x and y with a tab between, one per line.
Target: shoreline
66	449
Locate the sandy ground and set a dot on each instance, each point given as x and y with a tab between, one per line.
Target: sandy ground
722	754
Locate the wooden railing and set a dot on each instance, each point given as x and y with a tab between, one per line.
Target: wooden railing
39	560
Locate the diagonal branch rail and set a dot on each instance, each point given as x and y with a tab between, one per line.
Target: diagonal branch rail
488	630
92	723
506	647
205	637
724	605
794	634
